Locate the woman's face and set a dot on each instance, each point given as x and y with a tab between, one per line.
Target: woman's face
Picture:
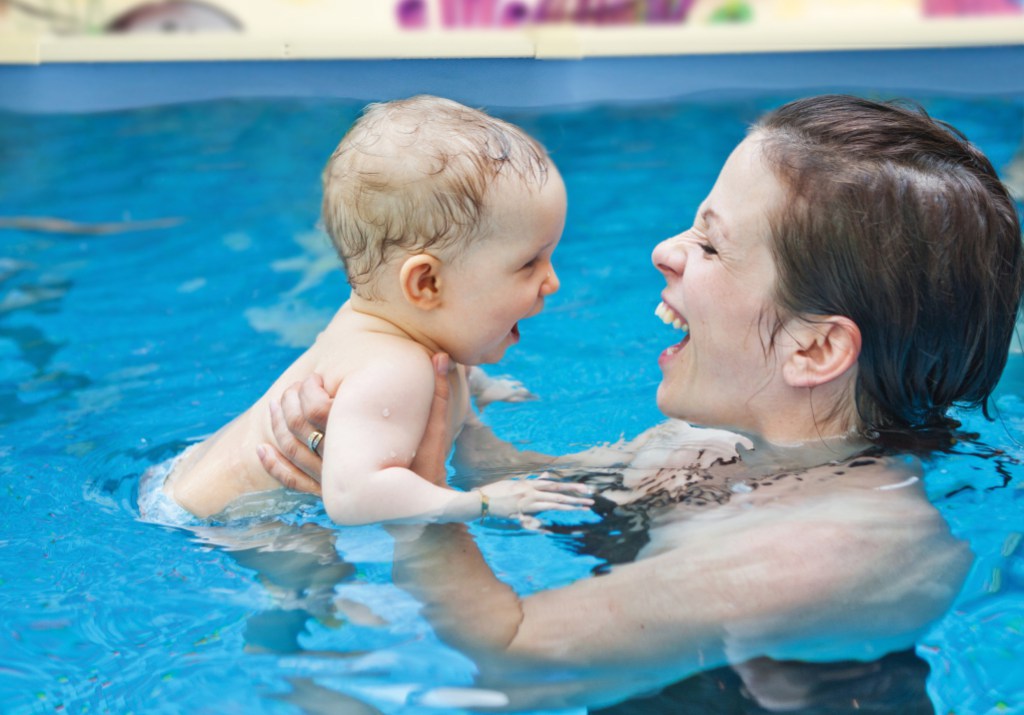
719	282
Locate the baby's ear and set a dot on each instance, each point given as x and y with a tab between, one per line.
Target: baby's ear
825	348
420	279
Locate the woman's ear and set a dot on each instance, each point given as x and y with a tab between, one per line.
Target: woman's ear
825	349
420	279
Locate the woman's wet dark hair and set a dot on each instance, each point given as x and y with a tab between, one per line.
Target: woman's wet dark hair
897	222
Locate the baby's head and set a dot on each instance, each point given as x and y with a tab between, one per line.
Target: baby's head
446	219
415	175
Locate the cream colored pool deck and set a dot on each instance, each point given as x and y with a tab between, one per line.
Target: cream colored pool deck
541	42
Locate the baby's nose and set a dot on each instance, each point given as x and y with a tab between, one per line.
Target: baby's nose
551	283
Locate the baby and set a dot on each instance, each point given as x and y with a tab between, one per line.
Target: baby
446	220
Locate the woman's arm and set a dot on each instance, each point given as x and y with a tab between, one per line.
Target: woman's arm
807	583
480	454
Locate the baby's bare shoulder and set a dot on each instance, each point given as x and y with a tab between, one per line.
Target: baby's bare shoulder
341	352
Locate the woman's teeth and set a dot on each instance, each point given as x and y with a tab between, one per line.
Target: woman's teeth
670	317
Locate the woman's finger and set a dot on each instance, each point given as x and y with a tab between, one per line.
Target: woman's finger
314	402
285	472
294	415
289	446
297	421
432	453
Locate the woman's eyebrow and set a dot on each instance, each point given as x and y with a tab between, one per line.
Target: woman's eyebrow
712	219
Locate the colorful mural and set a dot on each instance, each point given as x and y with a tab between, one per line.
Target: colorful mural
302	19
72	17
417	14
174	16
938	8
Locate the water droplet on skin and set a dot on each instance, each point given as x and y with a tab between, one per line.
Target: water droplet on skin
386	412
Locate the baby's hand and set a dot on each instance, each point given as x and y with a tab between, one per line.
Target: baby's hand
486	389
514	497
678	445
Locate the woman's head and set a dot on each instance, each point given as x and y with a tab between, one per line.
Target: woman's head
720	279
895	221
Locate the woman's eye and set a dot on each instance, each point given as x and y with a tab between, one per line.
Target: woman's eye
708	249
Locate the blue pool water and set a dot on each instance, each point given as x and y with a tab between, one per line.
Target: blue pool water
117	350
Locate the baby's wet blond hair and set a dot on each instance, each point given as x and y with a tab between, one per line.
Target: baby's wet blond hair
412	175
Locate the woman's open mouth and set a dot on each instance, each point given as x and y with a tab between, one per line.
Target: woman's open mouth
670	317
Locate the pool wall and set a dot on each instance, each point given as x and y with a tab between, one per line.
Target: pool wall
512	82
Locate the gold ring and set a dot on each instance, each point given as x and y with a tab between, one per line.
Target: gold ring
313	441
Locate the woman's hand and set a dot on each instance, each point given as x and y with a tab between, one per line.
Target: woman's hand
430	461
303	410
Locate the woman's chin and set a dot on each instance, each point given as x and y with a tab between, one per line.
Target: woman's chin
678	403
665	403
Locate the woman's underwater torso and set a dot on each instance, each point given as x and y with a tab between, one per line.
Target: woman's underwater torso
882	550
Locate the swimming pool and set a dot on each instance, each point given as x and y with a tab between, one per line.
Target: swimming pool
121	348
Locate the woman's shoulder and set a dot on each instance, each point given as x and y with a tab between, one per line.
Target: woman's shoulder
839	524
858	559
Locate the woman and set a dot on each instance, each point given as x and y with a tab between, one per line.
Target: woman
854	273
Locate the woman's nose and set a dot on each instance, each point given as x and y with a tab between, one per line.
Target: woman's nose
551	283
668	257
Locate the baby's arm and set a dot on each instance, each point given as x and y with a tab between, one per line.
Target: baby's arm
375	427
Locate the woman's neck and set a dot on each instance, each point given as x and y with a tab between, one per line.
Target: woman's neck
823	415
810	452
